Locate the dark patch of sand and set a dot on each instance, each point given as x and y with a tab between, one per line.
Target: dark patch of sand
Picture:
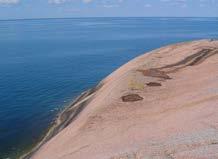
154	84
153	72
132	98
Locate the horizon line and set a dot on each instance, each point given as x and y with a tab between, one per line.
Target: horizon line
14	19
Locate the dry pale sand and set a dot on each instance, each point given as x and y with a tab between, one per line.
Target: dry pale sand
161	105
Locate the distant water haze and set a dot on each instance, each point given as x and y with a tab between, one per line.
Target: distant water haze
46	63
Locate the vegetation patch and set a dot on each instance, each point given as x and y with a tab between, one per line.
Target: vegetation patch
133	85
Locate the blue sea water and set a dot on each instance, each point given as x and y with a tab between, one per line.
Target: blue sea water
45	63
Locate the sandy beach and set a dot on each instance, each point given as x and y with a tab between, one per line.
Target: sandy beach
162	104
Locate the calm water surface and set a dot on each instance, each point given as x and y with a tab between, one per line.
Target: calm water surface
44	64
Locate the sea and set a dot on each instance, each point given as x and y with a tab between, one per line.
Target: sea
46	63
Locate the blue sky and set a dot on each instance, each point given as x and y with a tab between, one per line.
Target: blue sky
14	9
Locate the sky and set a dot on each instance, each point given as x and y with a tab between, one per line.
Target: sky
28	9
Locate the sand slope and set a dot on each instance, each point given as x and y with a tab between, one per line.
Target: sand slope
161	105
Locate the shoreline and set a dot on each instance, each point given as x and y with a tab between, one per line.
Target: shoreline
64	118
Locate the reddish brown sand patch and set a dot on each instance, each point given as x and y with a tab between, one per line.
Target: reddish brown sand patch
131	98
153	72
154	84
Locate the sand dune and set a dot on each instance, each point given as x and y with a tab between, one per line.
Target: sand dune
160	105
